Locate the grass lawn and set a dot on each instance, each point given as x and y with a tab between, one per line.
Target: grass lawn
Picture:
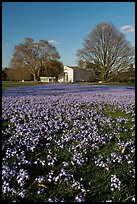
20	83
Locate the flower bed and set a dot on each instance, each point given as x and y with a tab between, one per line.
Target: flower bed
68	143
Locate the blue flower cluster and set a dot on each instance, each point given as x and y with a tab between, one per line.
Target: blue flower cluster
52	139
115	183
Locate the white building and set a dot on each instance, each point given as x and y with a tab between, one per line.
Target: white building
47	79
74	74
70	74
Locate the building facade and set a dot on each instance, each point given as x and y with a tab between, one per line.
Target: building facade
70	74
47	79
74	74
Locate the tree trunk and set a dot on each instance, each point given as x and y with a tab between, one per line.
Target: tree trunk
34	77
102	74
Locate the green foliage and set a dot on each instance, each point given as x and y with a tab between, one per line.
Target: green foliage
53	68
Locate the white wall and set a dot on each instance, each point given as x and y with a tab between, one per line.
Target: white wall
70	73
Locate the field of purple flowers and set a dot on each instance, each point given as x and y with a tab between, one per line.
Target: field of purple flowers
68	143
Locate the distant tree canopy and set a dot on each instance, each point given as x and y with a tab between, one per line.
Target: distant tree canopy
127	76
53	68
33	56
4	75
106	51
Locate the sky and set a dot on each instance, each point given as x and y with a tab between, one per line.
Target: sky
64	24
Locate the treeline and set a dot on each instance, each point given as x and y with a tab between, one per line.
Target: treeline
52	69
17	74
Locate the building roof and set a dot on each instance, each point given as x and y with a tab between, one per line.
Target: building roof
73	67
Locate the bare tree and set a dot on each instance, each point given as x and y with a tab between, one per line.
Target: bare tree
33	55
108	50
